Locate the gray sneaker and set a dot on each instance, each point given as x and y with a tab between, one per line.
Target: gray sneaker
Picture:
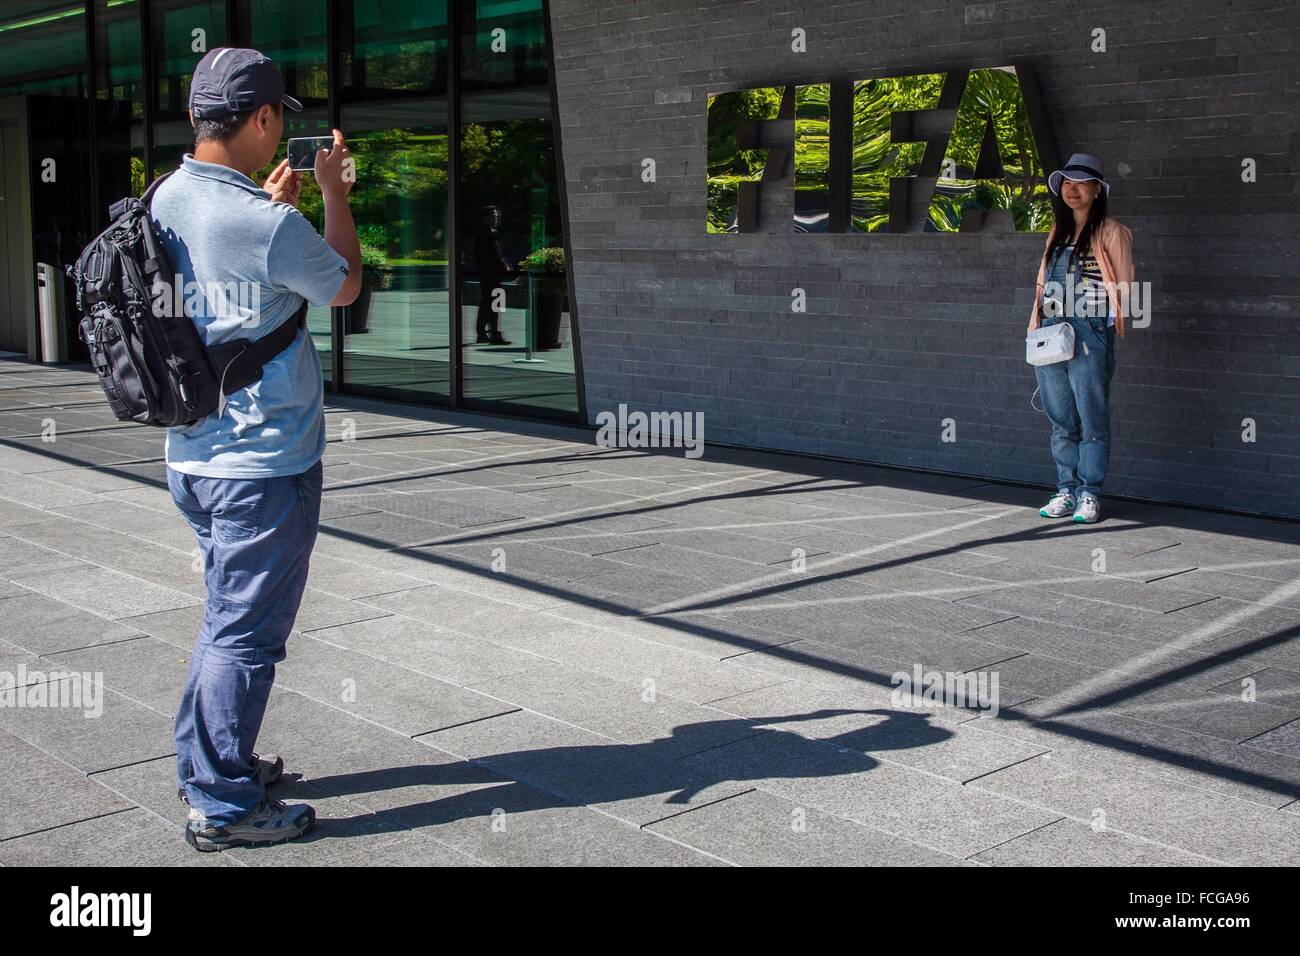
272	822
1060	505
1088	510
269	769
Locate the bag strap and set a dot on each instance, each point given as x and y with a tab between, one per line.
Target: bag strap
122	205
147	198
239	363
279	338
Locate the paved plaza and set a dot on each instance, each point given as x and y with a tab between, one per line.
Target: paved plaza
518	647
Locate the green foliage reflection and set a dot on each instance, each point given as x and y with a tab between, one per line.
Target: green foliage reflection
994	96
876	158
400	197
812	157
729	164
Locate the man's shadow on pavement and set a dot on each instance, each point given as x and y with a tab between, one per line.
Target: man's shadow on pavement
680	766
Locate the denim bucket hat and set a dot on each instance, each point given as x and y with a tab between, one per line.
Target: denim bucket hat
1080	168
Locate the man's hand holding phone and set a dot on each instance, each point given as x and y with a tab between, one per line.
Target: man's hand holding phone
284	184
335	174
335	171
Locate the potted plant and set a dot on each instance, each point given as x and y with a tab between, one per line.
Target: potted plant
547	268
374	275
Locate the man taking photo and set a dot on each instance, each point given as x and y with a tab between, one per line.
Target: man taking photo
248	477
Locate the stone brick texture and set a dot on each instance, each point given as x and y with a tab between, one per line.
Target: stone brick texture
903	331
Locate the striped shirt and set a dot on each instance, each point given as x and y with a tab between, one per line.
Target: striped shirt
1090	298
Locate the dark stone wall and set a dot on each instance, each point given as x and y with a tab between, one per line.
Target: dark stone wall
904	331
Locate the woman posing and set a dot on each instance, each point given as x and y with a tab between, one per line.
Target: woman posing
1084	278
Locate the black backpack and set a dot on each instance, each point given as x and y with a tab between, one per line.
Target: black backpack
155	369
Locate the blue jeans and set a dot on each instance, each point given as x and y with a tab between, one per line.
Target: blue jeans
255	537
1076	398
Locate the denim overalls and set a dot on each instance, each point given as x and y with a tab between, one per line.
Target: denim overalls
1076	393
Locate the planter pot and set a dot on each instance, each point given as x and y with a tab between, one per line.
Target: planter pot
359	311
550	306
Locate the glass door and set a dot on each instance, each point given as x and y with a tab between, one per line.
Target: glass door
393	110
517	332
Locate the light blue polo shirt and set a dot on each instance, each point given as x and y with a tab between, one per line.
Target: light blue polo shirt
246	265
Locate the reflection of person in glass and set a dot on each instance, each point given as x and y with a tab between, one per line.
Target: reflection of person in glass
492	268
49	244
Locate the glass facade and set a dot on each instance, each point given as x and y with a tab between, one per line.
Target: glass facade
119	92
44	113
447	107
294	34
393	85
512	277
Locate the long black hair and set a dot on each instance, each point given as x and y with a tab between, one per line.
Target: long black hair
1063	227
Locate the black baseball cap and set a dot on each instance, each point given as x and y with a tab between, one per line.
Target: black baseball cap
231	80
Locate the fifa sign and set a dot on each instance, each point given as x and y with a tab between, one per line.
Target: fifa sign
931	152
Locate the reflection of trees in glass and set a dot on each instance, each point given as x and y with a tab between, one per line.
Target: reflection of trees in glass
397	45
510	165
373	239
729	165
994	95
516	55
876	159
412	65
292	34
137	176
174	53
400	196
547	264
812	157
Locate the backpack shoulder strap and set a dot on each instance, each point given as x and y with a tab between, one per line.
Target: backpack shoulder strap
281	337
240	362
147	198
118	208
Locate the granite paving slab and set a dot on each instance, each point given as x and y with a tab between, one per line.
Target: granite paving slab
422	647
757	828
90	727
519	648
42	625
145	669
940	814
1071	843
624	780
109	594
132	837
391	696
1218	827
39	792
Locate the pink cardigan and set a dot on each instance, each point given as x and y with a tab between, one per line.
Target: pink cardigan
1113	247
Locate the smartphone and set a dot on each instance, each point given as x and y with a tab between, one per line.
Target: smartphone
302	151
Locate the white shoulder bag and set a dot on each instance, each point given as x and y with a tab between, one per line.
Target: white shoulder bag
1049	344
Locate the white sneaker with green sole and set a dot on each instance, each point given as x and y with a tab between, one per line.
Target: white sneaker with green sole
1088	510
1060	505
